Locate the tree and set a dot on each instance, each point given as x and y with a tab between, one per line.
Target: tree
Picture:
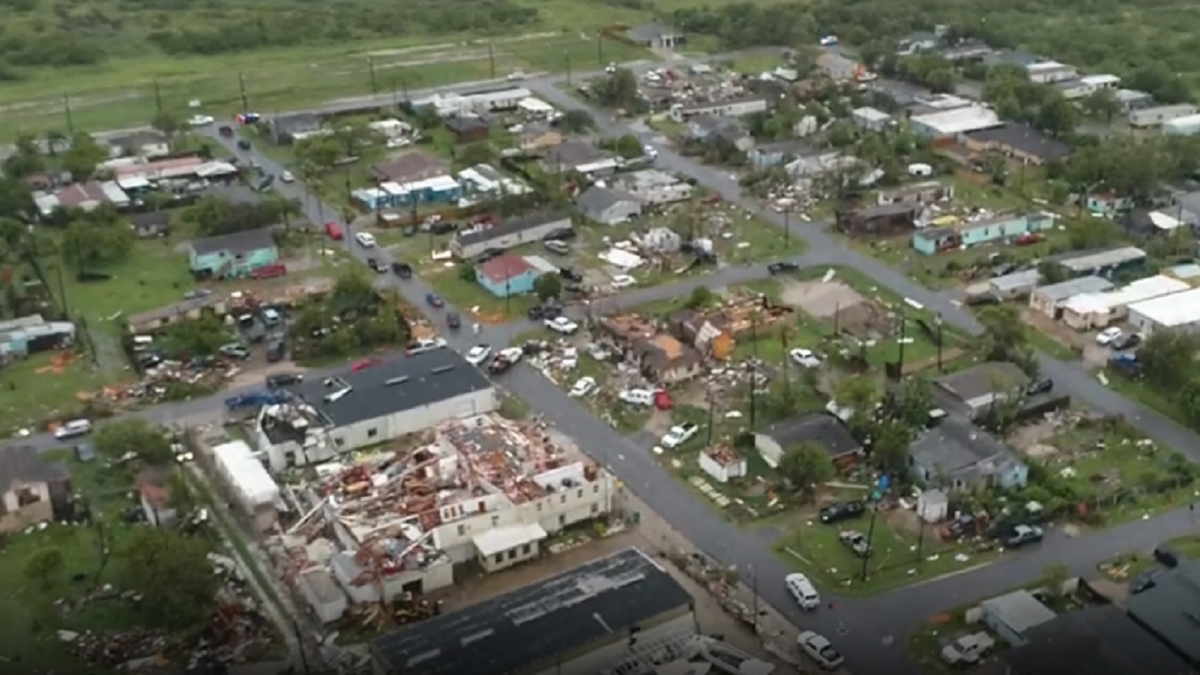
1056	115
914	401
84	155
627	146
353	290
96	238
1004	332
475	153
1188	402
16	201
1056	575
318	152
547	286
1102	103
1050	272
27	160
618	89
171	571
169	124
45	567
860	393
889	446
200	337
1168	358
806	467
115	439
576	122
701	296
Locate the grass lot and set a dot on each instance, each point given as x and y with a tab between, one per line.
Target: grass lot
28	615
120	93
1143	392
1128	566
35	390
901	556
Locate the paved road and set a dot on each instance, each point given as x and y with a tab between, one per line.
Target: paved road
869	624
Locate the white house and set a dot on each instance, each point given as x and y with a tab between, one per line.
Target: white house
731	107
1160	114
253	488
1087	85
656	187
1049	72
318	587
356	409
723	463
870	119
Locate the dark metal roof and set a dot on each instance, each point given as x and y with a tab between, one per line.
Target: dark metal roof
22	464
522	630
820	428
1171	609
515	225
238	242
1025	139
1094	641
394	386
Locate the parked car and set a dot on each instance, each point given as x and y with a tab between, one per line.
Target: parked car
226	131
981	299
365	239
505	359
561	234
1042	386
265	184
782	267
276	350
805	358
1022	535
819	649
583	387
425	345
968	649
556	246
235	351
570	275
623	281
402	270
1144	581
856	542
453	321
642	397
287	177
333	231
1125	342
1109	336
73	429
544	312
277	380
562	325
678	435
839	511
487	255
435	300
442	228
85	452
802	590
376	265
478	354
243	144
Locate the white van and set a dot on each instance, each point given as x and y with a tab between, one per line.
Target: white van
637	396
73	429
365	239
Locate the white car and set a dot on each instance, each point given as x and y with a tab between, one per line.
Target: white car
805	358
802	590
623	281
968	649
642	397
583	387
511	354
1108	336
681	434
73	429
201	120
365	239
562	325
425	345
819	649
287	177
478	354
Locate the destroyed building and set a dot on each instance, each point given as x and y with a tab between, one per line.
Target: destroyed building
369	404
481	490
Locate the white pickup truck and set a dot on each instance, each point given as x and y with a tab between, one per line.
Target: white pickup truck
968	649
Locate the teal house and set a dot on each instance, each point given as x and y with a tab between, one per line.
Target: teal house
1002	229
230	256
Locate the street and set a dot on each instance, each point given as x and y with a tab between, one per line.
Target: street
871	632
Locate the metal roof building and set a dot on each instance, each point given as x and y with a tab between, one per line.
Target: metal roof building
1177	310
545	625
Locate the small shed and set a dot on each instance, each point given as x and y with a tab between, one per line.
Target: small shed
723	463
1011	615
933	506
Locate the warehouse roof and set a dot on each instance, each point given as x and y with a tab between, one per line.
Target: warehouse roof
1090	262
513	226
1169	311
1016	281
1168	608
391	387
1134	293
597	603
959	120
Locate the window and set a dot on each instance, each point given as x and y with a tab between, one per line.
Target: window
579	493
512	554
495	520
595	488
562	520
595	509
525	549
372	433
499	558
562	499
462	530
339	442
540	504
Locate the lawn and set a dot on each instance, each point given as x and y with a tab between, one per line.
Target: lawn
42	388
28	613
122	91
1128	566
901	556
1138	389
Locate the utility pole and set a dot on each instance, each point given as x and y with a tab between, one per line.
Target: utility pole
754	590
783	342
870	536
67	111
242	88
938	320
754	370
712	408
374	82
903	339
158	97
787	226
507	288
492	57
599	48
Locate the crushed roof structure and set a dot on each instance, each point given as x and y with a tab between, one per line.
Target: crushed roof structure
821	428
528	629
1171	609
22	464
1024	139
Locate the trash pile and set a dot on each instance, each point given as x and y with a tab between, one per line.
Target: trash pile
114	648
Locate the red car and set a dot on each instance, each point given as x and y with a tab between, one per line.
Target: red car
334	231
364	364
269	271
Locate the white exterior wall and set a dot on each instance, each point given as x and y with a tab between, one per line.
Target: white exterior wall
510	558
605	656
665	195
415	419
1051	75
1150	117
722	473
508	241
724	109
432	578
553	512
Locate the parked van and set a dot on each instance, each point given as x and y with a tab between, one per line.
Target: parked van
644	397
73	429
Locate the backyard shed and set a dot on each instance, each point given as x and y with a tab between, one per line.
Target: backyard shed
1011	615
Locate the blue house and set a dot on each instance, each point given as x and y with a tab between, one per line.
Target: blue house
997	229
391	195
958	456
232	255
507	275
29	334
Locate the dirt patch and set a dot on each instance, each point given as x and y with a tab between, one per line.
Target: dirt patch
904	520
821	300
659	422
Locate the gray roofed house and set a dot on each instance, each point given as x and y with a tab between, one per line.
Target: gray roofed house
956	455
1013	615
1010	57
571	154
655	36
522	229
1170	610
395	386
1020	141
234	243
285	128
972	390
28	485
409	167
821	428
608	206
1048	299
545	625
1099	640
